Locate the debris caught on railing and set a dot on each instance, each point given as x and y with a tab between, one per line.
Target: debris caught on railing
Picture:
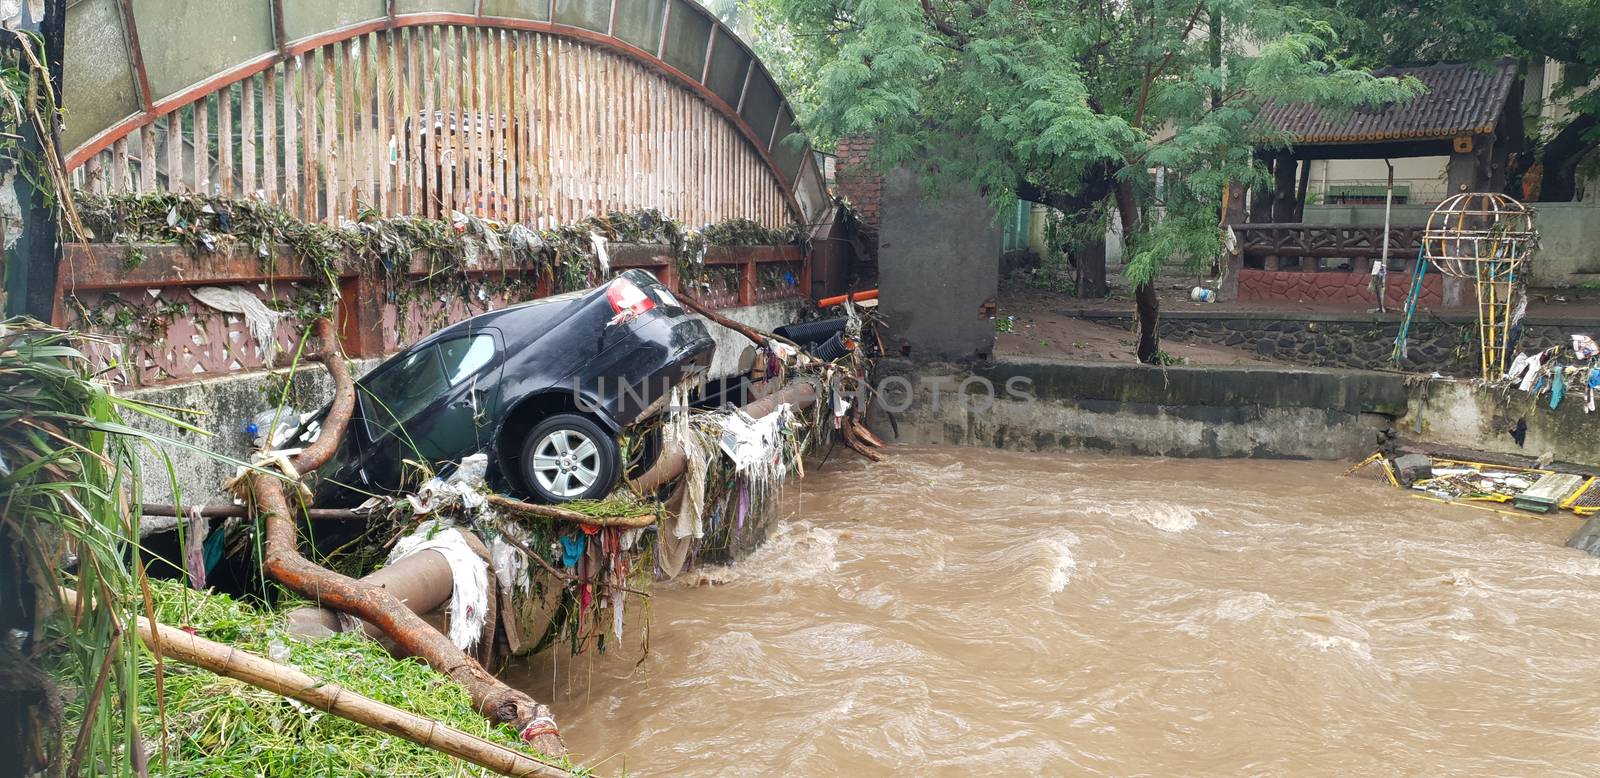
1557	372
1534	489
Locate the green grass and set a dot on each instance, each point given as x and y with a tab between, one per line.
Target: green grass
216	726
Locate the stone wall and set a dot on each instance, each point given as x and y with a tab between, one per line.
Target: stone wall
1436	343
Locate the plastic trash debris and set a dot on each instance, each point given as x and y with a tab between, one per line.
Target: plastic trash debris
261	320
1531	378
284	423
1518	365
600	253
1584	347
461	491
278	651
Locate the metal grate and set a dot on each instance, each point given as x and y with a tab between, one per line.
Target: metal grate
1586	500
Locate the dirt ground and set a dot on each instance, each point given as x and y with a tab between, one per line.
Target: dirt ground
1046	326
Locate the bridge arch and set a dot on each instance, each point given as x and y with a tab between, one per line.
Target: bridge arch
539	111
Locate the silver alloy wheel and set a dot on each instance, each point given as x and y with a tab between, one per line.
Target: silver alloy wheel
566	462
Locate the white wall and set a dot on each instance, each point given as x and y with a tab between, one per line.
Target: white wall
1424	175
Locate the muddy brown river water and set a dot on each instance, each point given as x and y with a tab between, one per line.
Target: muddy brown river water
961	611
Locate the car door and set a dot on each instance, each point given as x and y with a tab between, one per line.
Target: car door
433	406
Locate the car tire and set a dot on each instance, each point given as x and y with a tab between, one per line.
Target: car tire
569	457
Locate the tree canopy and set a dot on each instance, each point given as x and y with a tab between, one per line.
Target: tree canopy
1076	103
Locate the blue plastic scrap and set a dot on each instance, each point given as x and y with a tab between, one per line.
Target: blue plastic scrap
572	549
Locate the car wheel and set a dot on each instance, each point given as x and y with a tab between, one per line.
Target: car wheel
569	457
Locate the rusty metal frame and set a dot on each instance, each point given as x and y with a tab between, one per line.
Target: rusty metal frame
280	38
130	37
155	109
711	47
666	24
744	88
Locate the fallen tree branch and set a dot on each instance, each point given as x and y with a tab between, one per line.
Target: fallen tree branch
848	429
865	435
290	682
411	634
756	336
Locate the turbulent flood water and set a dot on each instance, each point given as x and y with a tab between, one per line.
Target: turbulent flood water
961	611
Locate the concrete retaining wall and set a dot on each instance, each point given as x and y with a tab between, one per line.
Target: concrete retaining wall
1468	415
224	405
1213	412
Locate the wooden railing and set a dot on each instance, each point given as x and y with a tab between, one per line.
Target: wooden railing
1353	241
157	331
422	118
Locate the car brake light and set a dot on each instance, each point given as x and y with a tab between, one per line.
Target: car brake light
627	299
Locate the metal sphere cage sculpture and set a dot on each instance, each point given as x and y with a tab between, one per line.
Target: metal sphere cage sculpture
1486	237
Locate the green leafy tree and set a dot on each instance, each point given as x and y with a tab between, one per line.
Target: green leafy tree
1077	103
1383	32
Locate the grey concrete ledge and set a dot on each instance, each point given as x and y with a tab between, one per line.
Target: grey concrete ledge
1343	389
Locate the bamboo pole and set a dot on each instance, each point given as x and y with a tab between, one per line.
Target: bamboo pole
240	511
263	673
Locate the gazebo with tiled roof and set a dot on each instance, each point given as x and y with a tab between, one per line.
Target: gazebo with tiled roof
1468	113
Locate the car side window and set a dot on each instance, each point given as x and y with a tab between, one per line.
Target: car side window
464	357
398	393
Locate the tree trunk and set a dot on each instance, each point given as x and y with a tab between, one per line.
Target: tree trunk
1091	260
1147	306
411	634
1561	157
1092	270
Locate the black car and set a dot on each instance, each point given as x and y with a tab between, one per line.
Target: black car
544	387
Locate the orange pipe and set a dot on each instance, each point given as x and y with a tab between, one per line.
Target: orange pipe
828	302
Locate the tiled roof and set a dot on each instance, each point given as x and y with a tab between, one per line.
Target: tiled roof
1460	100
